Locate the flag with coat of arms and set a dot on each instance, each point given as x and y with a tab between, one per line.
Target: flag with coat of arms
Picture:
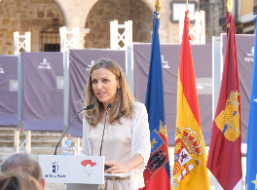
157	172
224	158
189	170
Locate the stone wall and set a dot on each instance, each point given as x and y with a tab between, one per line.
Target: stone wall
104	11
34	15
212	20
23	16
142	18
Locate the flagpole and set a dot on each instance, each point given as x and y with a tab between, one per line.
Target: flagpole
229	7
158	6
187	4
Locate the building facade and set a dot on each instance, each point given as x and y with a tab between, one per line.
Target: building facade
43	18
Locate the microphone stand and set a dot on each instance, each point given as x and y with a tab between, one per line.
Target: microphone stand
108	107
87	108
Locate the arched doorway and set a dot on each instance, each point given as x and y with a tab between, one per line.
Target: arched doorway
24	16
104	11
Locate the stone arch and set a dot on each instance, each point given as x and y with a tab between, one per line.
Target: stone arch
64	15
150	4
104	11
24	16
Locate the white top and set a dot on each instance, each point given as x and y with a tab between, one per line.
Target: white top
116	147
118	132
140	143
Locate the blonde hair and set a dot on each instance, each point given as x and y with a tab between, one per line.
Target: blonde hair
18	181
123	105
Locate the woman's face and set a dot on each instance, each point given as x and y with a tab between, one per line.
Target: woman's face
104	85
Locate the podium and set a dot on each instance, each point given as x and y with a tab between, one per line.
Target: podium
79	172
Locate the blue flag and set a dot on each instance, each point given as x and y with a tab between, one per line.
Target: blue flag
251	157
157	173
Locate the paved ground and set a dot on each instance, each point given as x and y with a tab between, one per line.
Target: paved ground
55	186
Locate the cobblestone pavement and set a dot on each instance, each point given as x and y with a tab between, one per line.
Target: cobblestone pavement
55	186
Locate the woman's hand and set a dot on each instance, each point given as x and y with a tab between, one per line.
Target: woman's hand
116	167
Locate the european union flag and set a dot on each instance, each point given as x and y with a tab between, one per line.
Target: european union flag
251	157
157	173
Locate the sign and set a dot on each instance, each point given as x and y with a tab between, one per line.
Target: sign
72	169
178	10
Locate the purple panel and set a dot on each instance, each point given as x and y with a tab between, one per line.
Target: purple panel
8	91
80	63
245	46
202	56
42	91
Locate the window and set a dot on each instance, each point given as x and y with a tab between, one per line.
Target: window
50	37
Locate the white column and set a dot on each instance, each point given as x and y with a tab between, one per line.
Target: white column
16	140
62	38
128	33
114	34
28	142
28	42
16	42
203	35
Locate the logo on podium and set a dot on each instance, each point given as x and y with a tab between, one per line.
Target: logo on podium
55	167
88	164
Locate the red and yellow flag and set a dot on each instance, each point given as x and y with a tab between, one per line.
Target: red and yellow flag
189	171
224	159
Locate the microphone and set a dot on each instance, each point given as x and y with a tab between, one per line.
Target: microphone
108	107
86	108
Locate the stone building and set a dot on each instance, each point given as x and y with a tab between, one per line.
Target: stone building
44	17
243	13
24	16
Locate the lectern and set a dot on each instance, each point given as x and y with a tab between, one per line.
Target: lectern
79	172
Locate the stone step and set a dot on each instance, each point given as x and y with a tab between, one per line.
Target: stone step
42	143
6	150
45	151
6	136
6	129
44	137
6	143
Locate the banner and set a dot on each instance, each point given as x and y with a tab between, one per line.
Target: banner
245	51
157	172
8	91
42	91
81	62
202	57
224	158
189	171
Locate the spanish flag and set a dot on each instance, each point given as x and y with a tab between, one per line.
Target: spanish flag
189	171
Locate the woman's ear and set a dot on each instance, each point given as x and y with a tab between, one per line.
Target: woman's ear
119	83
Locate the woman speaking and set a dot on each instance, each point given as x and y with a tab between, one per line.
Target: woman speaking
126	141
